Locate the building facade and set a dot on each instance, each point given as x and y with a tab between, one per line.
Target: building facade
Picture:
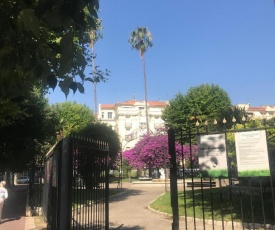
258	112
128	119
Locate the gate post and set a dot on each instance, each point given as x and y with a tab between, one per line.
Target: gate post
173	179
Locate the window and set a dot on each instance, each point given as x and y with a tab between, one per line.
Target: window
110	115
102	115
142	125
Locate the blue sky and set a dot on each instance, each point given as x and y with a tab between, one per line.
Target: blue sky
230	43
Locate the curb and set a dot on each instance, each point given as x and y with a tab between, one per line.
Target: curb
216	222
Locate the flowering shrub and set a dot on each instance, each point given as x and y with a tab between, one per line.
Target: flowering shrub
153	152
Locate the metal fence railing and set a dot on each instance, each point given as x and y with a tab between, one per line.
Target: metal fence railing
75	194
240	194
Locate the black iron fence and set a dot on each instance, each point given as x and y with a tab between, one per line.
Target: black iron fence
36	198
75	194
36	184
235	185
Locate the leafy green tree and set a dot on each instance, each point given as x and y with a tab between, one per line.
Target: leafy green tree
78	119
104	132
141	40
101	132
25	135
43	41
202	103
71	117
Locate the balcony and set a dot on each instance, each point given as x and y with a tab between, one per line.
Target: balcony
155	113
127	112
142	125
158	125
128	124
128	137
131	136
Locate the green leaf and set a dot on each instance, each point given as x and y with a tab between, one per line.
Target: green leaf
53	18
80	87
73	86
81	75
66	44
66	40
89	79
38	71
65	65
30	21
52	81
81	59
41	8
6	50
64	87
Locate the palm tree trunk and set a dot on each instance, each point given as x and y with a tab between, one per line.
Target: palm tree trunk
145	96
94	77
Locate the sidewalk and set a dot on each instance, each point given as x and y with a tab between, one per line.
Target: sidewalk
128	211
13	216
14	211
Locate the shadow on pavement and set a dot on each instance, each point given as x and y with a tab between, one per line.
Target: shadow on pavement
10	219
126	228
125	193
15	206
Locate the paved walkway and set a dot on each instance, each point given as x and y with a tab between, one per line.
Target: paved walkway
13	216
14	211
128	211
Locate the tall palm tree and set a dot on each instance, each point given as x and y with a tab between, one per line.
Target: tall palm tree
141	40
95	34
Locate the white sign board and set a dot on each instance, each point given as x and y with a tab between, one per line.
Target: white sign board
252	154
212	155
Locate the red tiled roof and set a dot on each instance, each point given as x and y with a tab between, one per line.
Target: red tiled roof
132	103
156	103
256	109
150	103
107	106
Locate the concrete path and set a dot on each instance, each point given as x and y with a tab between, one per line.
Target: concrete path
129	211
13	216
14	212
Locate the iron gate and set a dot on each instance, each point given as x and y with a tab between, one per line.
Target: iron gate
227	201
76	188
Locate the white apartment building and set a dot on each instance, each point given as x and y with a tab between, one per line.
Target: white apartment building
128	119
258	112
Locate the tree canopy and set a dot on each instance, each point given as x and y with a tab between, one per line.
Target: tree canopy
201	103
104	132
78	119
25	136
44	41
152	152
71	117
141	40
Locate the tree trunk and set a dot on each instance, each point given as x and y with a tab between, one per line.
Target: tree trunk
94	78
145	96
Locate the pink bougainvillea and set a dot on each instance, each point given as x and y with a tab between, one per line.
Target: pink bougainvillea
153	152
